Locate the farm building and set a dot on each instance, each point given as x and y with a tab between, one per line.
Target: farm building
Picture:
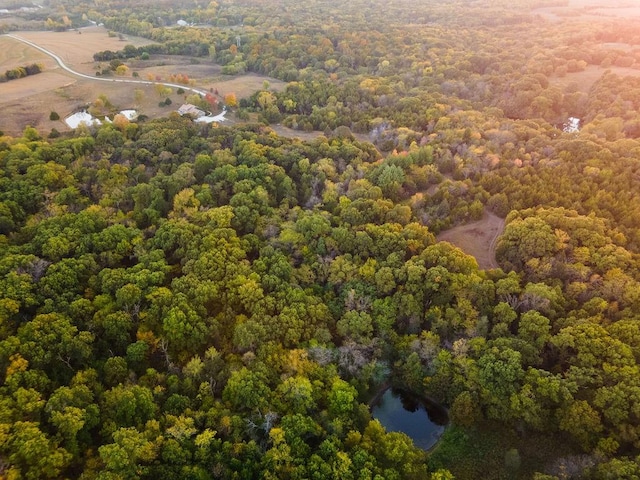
191	110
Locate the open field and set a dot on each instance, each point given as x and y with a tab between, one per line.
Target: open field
309	136
207	75
590	10
76	48
33	109
14	54
591	75
616	11
477	239
246	85
35	84
29	101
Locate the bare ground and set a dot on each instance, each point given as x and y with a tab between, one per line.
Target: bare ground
477	239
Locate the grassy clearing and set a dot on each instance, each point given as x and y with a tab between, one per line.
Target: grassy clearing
477	238
584	80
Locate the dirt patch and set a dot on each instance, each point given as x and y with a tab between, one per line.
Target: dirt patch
477	239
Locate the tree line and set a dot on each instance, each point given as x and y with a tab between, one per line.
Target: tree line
21	72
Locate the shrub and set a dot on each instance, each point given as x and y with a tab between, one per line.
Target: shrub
54	116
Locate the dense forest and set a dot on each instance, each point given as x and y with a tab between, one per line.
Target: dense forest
190	301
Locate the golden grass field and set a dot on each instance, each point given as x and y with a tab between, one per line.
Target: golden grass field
76	49
591	75
29	101
14	54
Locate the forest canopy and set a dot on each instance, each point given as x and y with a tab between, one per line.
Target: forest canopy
180	300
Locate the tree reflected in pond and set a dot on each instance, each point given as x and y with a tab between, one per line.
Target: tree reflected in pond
423	421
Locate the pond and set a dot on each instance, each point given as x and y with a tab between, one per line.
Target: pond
421	420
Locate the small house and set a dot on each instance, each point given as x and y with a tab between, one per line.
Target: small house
191	110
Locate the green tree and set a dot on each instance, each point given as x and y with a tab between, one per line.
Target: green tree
500	375
128	454
34	455
582	422
246	390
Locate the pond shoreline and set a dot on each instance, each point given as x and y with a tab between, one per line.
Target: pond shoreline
427	401
379	393
418	417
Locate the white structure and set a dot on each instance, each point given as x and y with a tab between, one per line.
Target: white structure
572	125
129	114
78	118
182	23
211	119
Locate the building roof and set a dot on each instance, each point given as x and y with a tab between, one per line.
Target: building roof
191	110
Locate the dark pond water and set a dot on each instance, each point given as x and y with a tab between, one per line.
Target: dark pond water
399	411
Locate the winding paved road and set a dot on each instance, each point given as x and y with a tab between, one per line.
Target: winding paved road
202	93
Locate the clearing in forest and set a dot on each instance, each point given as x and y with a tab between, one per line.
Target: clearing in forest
585	79
477	239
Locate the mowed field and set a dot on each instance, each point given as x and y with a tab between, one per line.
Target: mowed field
29	101
14	54
76	48
591	75
477	239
